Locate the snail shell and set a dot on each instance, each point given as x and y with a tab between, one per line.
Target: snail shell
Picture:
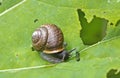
48	38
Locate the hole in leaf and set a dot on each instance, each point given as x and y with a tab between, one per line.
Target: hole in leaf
104	12
17	55
36	20
113	74
94	31
111	23
118	22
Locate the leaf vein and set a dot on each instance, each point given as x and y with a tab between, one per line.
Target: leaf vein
99	43
26	68
4	12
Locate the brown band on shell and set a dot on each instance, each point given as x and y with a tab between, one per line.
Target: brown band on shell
53	51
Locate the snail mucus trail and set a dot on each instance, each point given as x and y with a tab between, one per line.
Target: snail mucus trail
48	39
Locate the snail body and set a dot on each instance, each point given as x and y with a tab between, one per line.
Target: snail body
48	39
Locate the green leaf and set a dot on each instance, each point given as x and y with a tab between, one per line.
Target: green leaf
6	4
18	24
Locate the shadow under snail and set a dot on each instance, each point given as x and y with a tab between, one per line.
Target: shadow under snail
48	39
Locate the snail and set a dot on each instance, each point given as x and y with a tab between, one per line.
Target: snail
48	39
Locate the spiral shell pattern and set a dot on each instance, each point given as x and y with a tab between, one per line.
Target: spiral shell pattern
48	38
